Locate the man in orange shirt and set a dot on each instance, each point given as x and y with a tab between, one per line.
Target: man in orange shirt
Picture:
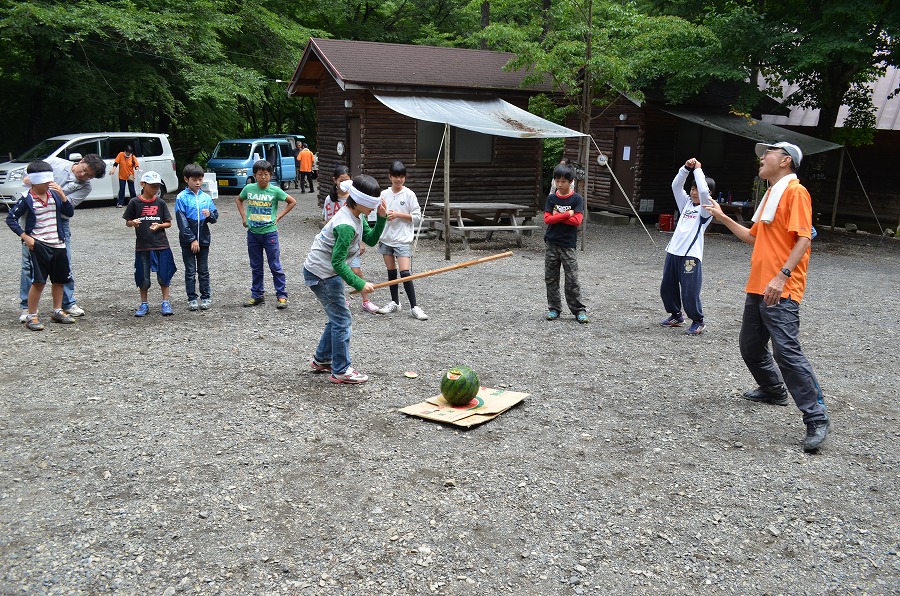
305	165
781	237
127	164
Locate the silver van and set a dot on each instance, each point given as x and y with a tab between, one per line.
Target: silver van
153	152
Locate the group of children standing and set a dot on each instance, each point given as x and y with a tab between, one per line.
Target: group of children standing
356	212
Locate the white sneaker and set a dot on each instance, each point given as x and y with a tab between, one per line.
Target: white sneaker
205	303
193	305
419	314
350	376
75	311
24	316
389	308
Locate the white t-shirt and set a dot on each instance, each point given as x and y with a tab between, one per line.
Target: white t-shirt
400	232
687	241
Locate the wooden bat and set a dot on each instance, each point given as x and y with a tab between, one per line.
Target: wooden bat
400	280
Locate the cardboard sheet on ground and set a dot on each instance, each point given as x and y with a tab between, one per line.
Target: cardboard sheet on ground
487	405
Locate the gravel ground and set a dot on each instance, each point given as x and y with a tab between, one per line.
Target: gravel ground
197	453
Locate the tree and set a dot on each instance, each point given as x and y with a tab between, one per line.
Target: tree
594	50
829	49
178	66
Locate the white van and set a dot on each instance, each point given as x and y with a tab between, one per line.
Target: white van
153	152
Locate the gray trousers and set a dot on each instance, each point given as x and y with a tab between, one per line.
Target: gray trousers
786	362
554	256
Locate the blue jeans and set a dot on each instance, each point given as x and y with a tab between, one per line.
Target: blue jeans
27	275
268	243
334	345
196	265
786	362
121	199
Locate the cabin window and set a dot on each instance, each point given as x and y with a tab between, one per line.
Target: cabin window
704	143
465	146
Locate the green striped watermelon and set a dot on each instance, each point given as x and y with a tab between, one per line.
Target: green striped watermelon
459	385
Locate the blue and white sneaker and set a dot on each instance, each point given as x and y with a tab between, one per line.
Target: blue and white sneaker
696	328
142	310
166	309
672	321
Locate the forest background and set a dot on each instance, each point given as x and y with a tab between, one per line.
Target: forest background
204	70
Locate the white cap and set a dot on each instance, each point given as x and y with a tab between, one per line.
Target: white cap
151	177
792	150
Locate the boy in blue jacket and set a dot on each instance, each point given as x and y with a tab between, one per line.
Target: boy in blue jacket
194	211
41	210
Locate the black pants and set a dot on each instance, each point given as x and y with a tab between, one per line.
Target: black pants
306	176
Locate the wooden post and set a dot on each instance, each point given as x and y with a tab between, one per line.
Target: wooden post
837	190
587	105
447	191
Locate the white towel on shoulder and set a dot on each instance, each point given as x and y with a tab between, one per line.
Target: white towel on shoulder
770	202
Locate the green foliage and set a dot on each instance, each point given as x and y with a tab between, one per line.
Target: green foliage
202	70
154	66
630	51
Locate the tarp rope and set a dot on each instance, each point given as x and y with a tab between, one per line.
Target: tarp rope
603	161
428	194
865	194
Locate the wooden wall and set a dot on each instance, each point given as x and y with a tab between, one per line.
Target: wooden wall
513	176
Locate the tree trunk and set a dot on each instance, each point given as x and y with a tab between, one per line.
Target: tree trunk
485	21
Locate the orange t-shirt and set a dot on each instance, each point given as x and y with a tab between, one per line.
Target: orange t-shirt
305	159
775	241
126	165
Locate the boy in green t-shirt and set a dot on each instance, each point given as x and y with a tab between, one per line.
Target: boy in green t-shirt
260	219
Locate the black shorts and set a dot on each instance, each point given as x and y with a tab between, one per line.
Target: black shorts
49	262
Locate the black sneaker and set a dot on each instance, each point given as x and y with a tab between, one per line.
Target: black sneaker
775	395
816	433
255	301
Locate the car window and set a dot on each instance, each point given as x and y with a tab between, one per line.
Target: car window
82	147
150	146
117	144
41	150
286	150
232	151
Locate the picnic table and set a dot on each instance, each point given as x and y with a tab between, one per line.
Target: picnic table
466	218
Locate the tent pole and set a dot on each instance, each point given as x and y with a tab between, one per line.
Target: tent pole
447	191
837	190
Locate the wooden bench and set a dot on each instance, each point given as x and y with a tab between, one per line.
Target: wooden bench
467	230
483	217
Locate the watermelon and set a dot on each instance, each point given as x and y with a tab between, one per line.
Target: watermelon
459	385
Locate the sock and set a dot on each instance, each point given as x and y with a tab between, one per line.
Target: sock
395	291
409	289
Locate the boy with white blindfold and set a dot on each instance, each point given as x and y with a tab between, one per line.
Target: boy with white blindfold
41	210
327	268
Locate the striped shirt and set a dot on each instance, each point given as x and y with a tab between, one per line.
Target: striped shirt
45	228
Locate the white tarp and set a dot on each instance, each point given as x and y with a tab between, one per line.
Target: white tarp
487	116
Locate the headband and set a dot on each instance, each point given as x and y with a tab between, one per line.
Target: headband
360	197
40	177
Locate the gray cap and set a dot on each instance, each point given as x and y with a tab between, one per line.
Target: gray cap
792	150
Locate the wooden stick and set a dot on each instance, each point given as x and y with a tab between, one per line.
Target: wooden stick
400	280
